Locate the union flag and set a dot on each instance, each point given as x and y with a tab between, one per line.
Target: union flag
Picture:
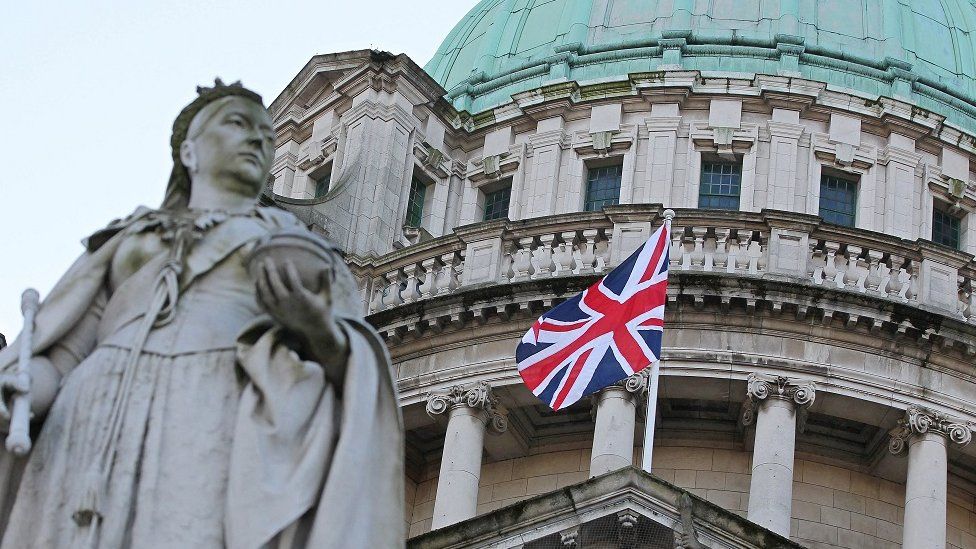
603	335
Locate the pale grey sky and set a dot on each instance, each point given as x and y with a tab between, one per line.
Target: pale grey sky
89	91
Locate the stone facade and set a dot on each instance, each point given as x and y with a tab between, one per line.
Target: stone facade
795	349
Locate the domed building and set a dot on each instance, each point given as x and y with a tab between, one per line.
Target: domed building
818	377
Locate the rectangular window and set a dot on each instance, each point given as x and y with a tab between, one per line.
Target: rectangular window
946	228
415	203
721	184
496	203
603	187
322	185
838	200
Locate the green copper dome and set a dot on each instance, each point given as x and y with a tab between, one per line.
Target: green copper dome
922	51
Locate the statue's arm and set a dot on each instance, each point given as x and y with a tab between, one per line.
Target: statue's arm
307	316
50	367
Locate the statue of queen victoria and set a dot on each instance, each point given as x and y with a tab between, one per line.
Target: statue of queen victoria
202	376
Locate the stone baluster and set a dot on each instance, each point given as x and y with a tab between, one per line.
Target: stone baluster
775	405
542	257
926	435
857	272
708	247
830	263
391	296
721	256
742	261
471	410
376	303
563	254
873	279
698	253
911	281
587	251
687	249
841	265
676	252
884	276
757	253
507	272
603	253
522	259
410	291
967	298
616	420
448	277
817	263
430	269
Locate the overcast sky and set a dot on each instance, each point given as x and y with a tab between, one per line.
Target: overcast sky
89	91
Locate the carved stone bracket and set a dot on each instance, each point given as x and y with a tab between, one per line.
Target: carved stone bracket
686	537
761	387
918	421
478	396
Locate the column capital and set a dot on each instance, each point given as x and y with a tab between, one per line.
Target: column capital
919	421
763	387
478	396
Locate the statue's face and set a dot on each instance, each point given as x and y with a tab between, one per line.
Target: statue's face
237	143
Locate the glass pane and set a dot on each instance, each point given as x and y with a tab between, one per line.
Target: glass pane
721	184
945	228
496	204
838	200
602	187
322	185
415	204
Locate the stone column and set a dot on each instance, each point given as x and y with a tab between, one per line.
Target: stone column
616	419
926	434
774	404
470	409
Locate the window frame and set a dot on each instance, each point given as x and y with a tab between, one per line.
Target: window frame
487	191
616	163
942	208
703	196
851	179
416	182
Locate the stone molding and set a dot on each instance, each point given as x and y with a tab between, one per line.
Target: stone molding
476	395
762	387
919	421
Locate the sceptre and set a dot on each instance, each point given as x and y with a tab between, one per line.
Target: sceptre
18	440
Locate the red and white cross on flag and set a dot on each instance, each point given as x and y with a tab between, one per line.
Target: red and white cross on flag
599	337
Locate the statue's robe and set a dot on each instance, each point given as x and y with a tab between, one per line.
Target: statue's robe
229	437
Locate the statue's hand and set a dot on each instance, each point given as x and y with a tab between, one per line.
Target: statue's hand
12	384
305	314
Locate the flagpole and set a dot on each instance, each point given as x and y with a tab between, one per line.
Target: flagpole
652	385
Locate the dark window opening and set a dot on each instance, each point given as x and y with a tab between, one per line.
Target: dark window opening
415	202
721	184
946	228
838	200
496	203
602	187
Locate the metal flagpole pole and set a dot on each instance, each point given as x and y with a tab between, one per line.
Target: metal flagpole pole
652	383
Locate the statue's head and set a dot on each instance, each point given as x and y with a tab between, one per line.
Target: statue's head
225	134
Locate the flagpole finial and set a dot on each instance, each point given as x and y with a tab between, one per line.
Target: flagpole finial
668	215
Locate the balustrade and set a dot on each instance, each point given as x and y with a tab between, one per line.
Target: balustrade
579	245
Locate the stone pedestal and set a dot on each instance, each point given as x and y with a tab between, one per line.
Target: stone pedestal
470	410
926	435
616	420
774	404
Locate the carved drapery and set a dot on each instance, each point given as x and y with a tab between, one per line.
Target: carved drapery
918	421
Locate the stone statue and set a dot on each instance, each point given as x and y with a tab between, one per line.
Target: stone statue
202	376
